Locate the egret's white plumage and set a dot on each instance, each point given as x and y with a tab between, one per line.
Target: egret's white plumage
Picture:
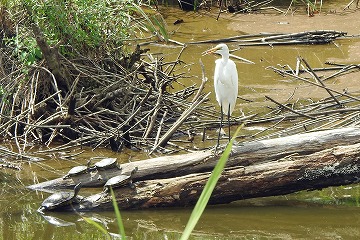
225	82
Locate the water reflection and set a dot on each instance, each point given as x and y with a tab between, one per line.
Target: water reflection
302	215
280	219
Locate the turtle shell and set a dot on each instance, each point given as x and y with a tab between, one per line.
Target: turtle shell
60	199
57	200
76	171
117	181
106	163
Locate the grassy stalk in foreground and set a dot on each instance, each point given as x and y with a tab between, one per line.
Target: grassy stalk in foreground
98	226
208	189
118	218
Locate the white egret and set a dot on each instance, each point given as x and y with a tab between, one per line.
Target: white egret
225	83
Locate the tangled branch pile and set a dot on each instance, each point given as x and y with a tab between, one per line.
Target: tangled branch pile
83	93
97	103
340	109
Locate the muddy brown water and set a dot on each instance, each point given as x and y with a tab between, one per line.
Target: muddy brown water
333	213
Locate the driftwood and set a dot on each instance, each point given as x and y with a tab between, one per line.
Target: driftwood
295	162
330	167
308	37
243	154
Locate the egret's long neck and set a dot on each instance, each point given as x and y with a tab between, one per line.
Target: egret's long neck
225	57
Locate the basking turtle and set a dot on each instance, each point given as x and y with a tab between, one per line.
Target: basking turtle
106	163
61	199
76	171
119	181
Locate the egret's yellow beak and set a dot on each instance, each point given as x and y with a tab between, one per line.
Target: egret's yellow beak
212	50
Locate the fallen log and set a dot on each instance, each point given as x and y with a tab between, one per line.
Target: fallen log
331	167
243	154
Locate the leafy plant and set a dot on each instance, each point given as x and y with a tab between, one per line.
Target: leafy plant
25	49
2	94
88	27
85	25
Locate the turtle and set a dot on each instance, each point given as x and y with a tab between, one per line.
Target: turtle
106	163
76	171
119	181
61	199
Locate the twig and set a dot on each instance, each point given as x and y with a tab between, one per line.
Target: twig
159	129
151	122
220	3
290	109
196	102
351	2
319	80
315	84
203	82
178	123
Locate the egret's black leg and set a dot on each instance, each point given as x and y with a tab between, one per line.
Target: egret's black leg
221	120
228	116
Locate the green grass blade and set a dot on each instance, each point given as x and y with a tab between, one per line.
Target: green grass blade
98	226
118	216
152	22
208	189
162	28
139	10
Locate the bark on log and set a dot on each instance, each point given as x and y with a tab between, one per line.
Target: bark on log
330	167
243	154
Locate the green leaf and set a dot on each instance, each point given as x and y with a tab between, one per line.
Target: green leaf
150	24
118	216
98	226
162	27
208	189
